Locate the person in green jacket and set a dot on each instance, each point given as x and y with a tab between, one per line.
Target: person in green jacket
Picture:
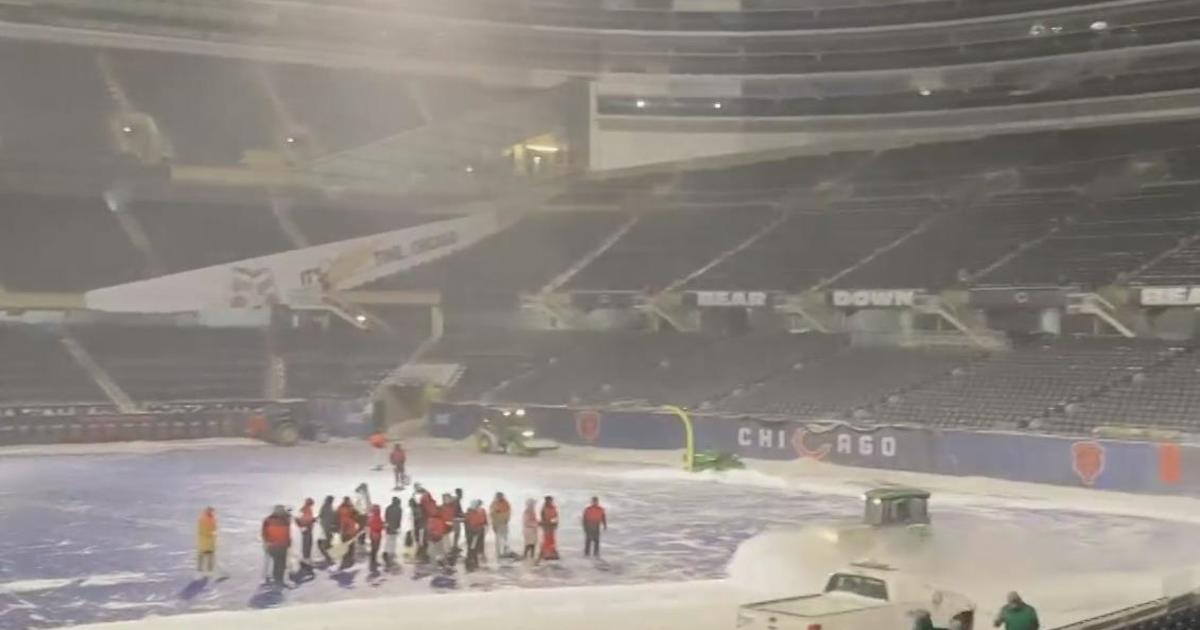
1017	615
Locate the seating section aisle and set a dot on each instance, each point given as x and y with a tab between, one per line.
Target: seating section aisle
637	368
1097	246
161	363
54	105
342	361
960	243
63	244
36	368
1029	383
838	385
666	246
189	236
212	110
522	257
812	246
1162	397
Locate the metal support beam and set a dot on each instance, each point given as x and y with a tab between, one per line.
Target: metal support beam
1095	305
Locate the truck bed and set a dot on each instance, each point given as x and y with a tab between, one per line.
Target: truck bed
819	605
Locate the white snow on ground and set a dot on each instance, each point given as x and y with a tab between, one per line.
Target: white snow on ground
33	586
125	448
104	579
112	579
784	562
708	605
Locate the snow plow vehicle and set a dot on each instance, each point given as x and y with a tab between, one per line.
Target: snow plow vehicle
864	595
508	431
894	517
716	460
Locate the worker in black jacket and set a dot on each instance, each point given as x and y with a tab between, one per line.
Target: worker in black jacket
328	519
393	518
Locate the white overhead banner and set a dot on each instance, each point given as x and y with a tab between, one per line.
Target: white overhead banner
874	298
1170	296
290	276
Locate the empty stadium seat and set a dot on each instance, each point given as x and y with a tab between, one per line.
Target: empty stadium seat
666	246
1029	383
36	368
520	258
838	385
169	363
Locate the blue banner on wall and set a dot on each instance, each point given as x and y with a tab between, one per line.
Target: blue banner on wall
896	448
1104	464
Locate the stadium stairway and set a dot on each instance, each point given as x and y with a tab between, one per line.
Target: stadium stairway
563	278
98	374
748	242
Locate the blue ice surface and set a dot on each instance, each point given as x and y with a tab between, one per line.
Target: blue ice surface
115	534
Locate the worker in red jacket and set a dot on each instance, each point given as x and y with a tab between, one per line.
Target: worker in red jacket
476	522
375	526
277	538
549	525
398	458
594	519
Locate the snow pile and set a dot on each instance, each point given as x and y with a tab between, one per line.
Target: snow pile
782	563
126	448
1065	579
708	605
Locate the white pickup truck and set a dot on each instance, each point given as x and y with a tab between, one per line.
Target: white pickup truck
865	596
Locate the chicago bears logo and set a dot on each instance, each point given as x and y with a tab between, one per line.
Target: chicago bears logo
587	425
802	449
1087	459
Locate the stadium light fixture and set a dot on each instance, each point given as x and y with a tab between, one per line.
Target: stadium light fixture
641	104
290	140
470	169
362	319
924	91
127	129
717	105
1099	25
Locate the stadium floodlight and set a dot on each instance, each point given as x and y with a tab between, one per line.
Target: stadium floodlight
362	319
925	91
717	105
127	129
641	104
1099	25
470	169
290	140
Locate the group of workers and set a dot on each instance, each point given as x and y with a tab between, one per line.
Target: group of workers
437	528
435	536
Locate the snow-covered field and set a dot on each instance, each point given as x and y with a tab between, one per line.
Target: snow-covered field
107	534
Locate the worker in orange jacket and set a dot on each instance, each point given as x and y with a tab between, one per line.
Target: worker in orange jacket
501	514
594	519
348	529
305	523
436	530
428	507
277	539
206	541
476	522
549	524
